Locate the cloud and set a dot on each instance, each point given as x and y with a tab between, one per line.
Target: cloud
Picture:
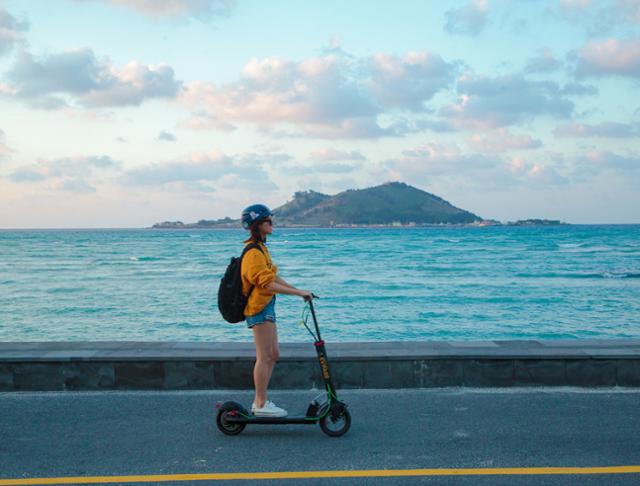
166	136
11	31
598	160
447	164
74	185
521	171
326	97
545	175
306	172
617	57
468	20
600	18
439	159
316	91
630	9
544	62
200	167
409	81
487	103
328	154
604	129
79	76
334	47
26	175
502	140
335	168
200	9
4	149
202	120
67	174
577	89
575	5
202	171
357	128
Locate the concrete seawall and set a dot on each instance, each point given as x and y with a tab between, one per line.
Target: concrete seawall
192	365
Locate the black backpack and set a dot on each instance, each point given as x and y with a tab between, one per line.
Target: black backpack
231	300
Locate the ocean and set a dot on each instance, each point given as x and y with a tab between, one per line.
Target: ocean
375	284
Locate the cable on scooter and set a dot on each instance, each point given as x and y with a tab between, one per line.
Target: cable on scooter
305	317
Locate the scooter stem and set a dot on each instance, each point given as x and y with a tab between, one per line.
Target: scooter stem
315	321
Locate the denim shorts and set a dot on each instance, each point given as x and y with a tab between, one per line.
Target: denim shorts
266	314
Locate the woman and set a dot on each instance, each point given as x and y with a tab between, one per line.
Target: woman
260	282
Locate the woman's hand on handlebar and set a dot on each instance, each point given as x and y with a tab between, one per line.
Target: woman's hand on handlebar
307	295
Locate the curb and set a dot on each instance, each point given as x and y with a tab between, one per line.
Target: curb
38	366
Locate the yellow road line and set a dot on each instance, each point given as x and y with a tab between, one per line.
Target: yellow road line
515	471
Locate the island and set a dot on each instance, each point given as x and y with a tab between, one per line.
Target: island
394	204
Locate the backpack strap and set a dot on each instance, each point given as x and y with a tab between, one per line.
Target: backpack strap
250	246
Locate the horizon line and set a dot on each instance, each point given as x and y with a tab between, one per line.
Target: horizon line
465	225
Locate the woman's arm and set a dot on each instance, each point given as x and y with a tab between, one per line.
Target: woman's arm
279	288
282	282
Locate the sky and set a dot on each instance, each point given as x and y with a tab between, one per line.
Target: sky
124	113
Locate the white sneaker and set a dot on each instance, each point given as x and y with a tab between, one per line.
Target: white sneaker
268	410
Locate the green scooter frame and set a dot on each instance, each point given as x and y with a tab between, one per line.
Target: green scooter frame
332	415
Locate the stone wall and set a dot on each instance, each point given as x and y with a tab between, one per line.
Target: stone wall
171	366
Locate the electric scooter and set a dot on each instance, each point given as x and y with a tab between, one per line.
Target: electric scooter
332	415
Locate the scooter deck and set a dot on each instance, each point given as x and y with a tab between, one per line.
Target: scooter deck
252	419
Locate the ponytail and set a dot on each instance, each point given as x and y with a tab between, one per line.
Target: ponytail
255	232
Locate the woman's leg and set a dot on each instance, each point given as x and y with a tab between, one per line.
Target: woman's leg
275	349
263	335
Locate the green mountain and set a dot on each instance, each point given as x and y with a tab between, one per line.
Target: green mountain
302	202
391	203
394	203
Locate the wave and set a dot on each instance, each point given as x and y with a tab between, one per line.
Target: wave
586	275
65	290
144	259
585	248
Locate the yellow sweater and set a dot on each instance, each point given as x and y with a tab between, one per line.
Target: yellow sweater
258	270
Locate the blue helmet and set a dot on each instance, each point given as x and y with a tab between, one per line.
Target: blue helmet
253	213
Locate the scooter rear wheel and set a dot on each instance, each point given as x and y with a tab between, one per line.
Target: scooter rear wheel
336	422
230	409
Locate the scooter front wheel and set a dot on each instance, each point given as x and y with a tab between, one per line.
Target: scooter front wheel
226	410
336	422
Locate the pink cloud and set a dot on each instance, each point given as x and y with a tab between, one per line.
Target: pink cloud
486	103
178	8
439	159
276	90
328	154
77	75
575	4
446	162
605	129
67	173
206	172
610	57
502	140
545	175
327	97
604	159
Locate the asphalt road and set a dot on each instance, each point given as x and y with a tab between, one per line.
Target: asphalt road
96	434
